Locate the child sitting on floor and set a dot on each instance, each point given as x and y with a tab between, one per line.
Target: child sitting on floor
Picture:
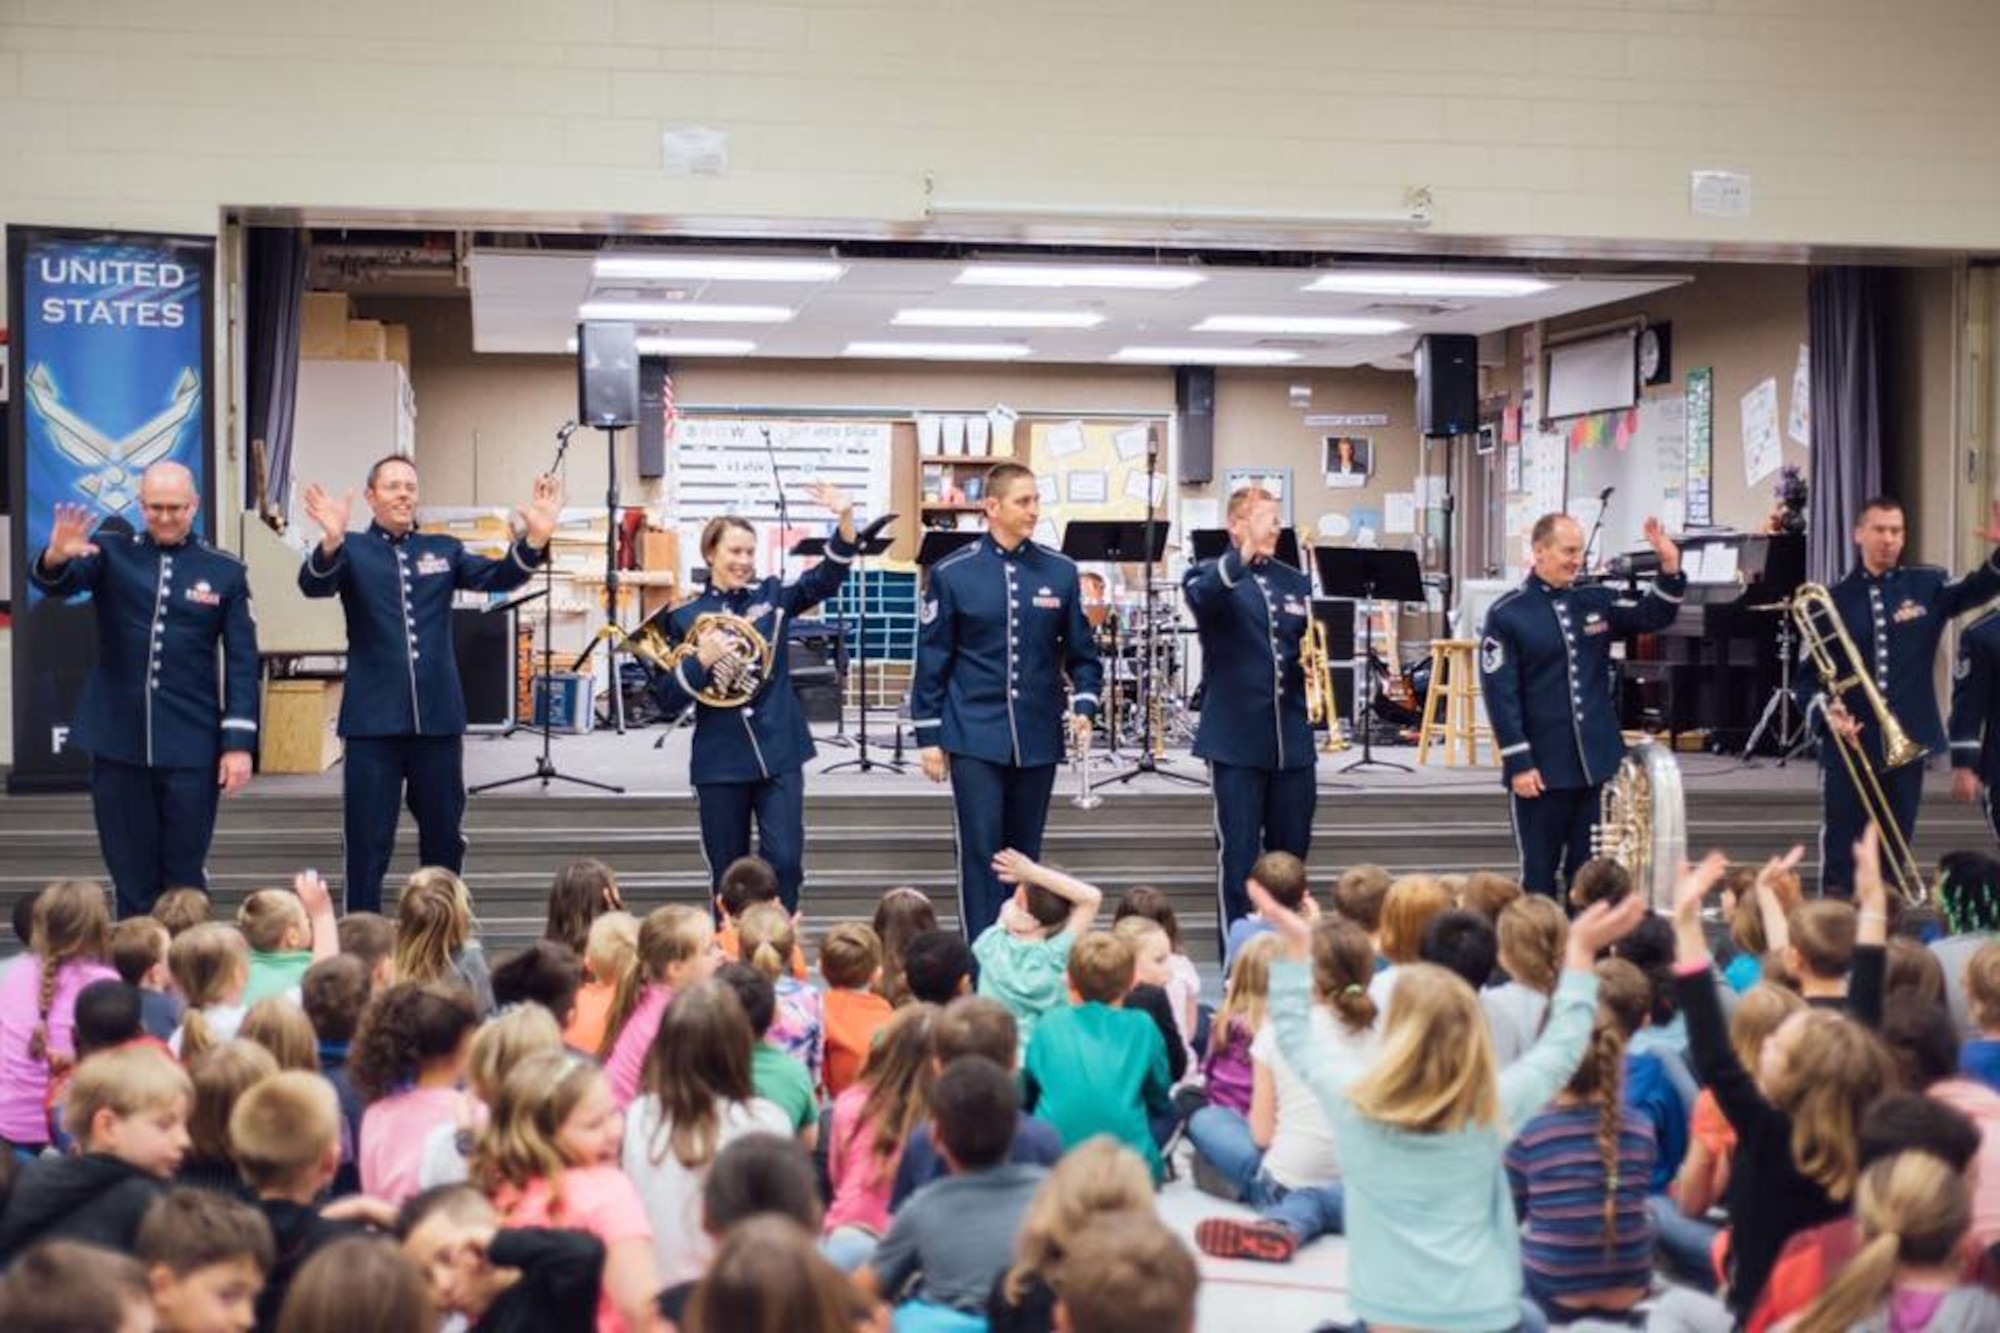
1024	956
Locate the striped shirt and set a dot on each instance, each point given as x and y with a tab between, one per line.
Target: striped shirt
1557	1175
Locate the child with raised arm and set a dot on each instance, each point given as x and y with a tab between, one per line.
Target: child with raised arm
1432	1237
1024	956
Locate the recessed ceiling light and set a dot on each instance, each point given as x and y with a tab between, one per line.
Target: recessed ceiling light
1078	275
716	268
998	319
1207	356
652	346
1357	325
681	312
1387	283
894	351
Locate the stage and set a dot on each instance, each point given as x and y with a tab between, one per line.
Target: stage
868	831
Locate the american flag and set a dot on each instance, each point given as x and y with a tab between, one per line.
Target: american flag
669	415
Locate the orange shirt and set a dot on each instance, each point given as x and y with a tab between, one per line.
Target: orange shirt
732	949
853	1018
587	1019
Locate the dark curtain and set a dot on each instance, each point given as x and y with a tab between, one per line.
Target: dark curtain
276	292
1845	313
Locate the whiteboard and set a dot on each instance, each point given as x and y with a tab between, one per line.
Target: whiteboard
724	466
1649	475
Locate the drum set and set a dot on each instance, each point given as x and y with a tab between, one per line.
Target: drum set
1147	701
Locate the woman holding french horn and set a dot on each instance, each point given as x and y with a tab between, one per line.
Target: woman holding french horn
724	652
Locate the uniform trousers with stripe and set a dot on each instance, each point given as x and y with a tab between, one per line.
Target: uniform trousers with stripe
153	826
384	773
1552	832
779	806
1257	810
996	806
1843	817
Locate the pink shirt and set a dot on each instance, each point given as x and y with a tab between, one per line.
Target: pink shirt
600	1200
862	1182
393	1131
24	1079
628	1054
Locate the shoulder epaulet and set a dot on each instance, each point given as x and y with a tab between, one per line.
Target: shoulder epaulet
213	549
962	553
1939	570
1512	594
1052	551
1987	619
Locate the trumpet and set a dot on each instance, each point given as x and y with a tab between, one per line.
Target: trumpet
734	679
1084	798
1843	668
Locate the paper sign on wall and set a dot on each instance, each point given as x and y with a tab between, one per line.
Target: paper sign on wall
1798	422
1762	454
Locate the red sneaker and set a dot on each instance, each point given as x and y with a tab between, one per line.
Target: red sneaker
1232	1238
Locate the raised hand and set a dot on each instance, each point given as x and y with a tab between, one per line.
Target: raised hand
1869	892
330	514
540	517
69	536
1693	885
1601	925
1294	930
1663	546
1012	867
830	497
1991	532
313	893
1767	878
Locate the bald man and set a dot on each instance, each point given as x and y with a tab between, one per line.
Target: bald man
166	730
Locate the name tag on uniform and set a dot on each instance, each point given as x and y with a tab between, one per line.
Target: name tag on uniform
433	564
1294	607
1595	624
204	595
756	611
1909	611
1046	599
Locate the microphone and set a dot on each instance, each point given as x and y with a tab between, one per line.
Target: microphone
567	429
1606	494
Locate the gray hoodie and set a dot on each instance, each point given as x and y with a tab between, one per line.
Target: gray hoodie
1965	1310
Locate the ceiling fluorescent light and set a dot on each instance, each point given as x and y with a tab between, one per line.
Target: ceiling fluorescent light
1079	275
998	319
1385	283
1414	216
916	351
681	312
653	346
1206	356
1353	325
715	268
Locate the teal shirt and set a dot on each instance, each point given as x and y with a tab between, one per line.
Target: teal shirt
1432	1238
1030	977
275	974
1097	1070
778	1078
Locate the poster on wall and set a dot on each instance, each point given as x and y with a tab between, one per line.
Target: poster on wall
112	338
1763	448
1348	460
729	465
1700	426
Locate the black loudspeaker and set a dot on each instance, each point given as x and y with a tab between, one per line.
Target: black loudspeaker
1194	400
653	372
607	375
1447	384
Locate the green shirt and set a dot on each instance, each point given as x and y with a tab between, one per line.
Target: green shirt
781	1080
275	974
1030	977
1097	1070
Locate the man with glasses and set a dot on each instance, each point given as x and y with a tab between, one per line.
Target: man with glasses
167	732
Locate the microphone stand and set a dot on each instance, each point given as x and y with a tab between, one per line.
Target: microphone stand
545	765
1603	499
784	513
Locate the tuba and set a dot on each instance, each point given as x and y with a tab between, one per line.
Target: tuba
1642	822
1842	668
734	679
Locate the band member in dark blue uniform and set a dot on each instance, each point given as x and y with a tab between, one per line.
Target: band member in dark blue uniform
1896	615
1251	612
1975	741
1545	668
164	741
1001	625
403	710
748	760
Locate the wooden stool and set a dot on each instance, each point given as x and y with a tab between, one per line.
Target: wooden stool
1451	705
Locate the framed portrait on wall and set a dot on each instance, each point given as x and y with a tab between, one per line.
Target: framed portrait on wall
1349	460
1277	480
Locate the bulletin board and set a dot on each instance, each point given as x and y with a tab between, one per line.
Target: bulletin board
1095	470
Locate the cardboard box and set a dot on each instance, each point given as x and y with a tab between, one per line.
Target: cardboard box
299	726
659	550
397	337
367	340
323	328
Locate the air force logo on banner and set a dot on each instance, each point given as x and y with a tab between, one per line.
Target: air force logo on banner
111	468
1491	655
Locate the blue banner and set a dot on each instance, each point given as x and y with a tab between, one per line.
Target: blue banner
112	338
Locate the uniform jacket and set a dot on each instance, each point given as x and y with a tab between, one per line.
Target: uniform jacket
1251	624
1975	691
1545	669
766	737
1897	619
154	697
402	679
999	630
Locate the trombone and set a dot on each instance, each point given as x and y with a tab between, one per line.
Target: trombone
1842	668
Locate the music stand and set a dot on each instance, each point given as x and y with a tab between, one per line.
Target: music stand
1112	542
1124	541
1368	576
868	541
